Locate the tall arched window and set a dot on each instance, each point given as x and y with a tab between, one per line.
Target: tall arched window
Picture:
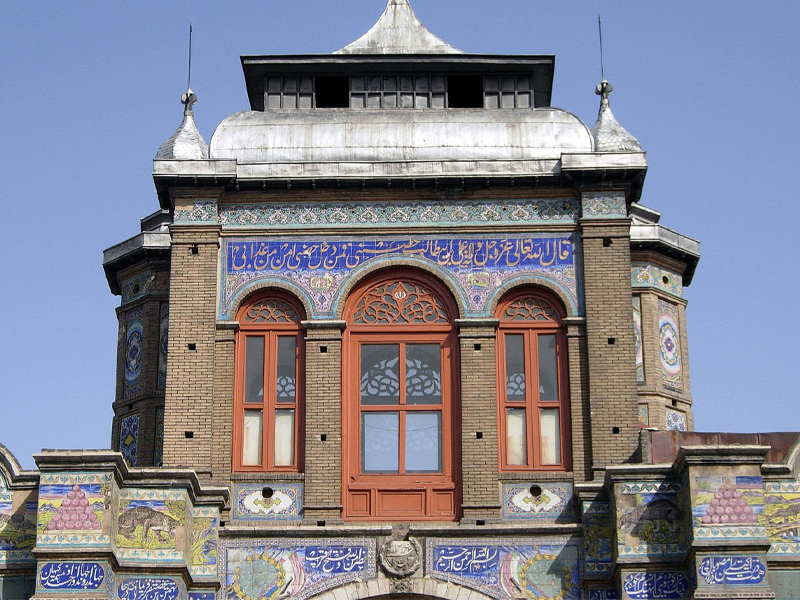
399	400
532	383
269	390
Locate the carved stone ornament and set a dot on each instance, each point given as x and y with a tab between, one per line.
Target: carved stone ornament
400	558
402	586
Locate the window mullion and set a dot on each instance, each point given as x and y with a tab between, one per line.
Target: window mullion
532	399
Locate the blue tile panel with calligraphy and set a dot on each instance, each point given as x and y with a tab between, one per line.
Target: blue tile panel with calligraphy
476	266
293	568
669	585
731	570
148	588
507	568
608	594
202	596
72	577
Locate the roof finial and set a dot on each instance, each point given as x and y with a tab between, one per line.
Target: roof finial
604	88
188	99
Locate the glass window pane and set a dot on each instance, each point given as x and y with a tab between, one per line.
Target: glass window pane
251	438
437	83
389	101
287	351
423	442
515	368
389	84
507	100
374	83
551	437
406	101
548	369
373	100
507	82
284	438
358	101
380	374
254	370
289	85
289	101
380	442
423	374
357	84
524	100
516	440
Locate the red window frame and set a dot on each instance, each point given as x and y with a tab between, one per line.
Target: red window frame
545	318
399	495
271	325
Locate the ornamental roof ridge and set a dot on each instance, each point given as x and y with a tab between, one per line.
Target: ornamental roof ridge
398	31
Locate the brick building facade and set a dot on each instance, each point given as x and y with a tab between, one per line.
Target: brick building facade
403	329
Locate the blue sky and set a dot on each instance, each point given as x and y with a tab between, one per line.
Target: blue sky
91	89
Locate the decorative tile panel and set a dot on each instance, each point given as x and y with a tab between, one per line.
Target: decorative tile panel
645	275
151	525
202	596
676	420
670	585
285	504
17	529
477	265
292	568
436	213
650	522
205	521
781	516
604	594
553	504
158	448
598	535
728	507
75	576
137	287
644	415
670	346
129	438
73	509
150	588
134	347
163	338
604	206
506	568
202	212
638	347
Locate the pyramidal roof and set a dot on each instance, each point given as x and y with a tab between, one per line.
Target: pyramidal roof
186	143
398	31
608	134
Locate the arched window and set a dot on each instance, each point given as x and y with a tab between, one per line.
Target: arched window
532	383
399	400
269	390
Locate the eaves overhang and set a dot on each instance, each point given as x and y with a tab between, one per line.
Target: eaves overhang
148	244
669	243
257	68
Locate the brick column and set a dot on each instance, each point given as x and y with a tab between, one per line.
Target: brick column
605	236
323	428
188	423
479	439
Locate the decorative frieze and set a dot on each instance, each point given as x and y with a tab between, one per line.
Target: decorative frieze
553	501
670	346
282	502
610	205
137	287
129	438
645	275
201	212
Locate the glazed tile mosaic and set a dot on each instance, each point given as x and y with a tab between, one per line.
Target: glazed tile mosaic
604	206
137	287
129	438
17	530
676	421
387	214
731	570
554	503
637	339
598	539
292	568
650	522
781	516
158	449
477	266
285	503
202	212
203	546
72	509
667	585
151	524
605	594
670	346
728	507
163	339
133	351
644	415
644	275
505	568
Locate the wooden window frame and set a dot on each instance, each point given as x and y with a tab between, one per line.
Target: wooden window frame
271	331
437	493
530	330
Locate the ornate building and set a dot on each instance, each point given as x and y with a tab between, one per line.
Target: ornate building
403	329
